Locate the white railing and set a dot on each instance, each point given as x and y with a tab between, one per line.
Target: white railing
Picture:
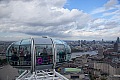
41	75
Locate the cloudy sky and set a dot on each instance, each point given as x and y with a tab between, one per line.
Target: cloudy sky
63	19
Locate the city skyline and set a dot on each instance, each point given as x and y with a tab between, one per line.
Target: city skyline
63	19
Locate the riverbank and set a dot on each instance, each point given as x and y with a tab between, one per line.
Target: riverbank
77	54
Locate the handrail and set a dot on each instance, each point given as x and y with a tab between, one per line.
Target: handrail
61	76
22	75
33	60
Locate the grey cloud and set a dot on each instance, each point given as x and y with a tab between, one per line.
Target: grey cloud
111	3
30	17
110	25
49	18
4	11
102	24
50	34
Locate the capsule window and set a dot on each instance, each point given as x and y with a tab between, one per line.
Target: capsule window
44	54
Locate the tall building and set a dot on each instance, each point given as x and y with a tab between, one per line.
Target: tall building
118	40
79	43
117	45
100	51
93	41
102	40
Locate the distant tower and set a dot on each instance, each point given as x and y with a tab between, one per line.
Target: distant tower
93	41
118	40
100	50
79	43
117	45
102	40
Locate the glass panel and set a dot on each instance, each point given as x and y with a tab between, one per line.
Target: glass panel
13	55
25	41
17	43
24	55
61	55
68	52
19	55
44	54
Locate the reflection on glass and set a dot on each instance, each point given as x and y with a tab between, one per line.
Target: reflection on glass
44	54
19	53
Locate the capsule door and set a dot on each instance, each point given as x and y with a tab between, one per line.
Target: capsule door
44	56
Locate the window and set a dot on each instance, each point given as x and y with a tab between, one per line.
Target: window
44	54
61	55
19	55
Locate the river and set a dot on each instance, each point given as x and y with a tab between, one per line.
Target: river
76	54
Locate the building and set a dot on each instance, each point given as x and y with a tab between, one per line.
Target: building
117	45
100	51
118	40
107	68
